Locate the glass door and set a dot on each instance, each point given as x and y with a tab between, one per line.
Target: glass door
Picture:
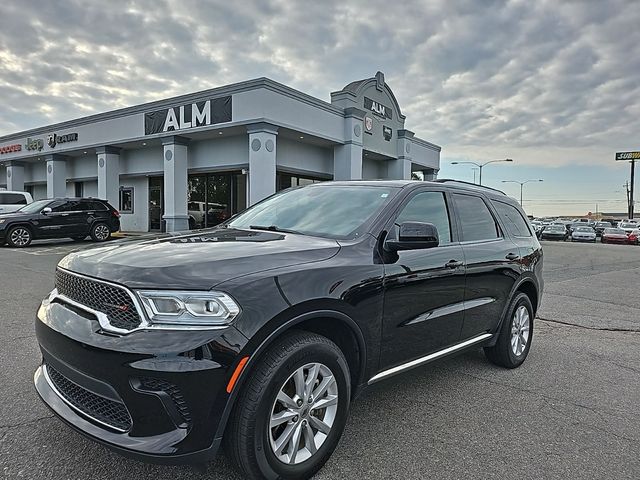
156	203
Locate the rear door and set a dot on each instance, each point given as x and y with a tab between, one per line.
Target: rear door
423	289
492	260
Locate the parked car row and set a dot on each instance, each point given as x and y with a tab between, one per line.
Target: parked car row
626	233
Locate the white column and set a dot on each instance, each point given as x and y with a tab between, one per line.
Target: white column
176	154
15	177
56	176
400	169
109	174
347	158
262	161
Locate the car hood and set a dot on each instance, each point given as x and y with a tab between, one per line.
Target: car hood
198	260
11	215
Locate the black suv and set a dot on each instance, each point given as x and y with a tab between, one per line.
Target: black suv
261	331
75	218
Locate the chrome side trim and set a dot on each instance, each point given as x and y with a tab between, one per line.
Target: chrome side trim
84	414
432	356
450	309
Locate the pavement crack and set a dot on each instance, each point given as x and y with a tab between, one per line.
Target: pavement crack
602	329
24	424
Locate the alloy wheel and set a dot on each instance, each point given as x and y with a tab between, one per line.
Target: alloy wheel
101	232
20	237
303	413
520	330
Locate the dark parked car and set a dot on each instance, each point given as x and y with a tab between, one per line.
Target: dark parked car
554	232
601	226
74	218
260	332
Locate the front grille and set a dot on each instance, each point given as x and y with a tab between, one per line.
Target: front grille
157	385
104	410
111	300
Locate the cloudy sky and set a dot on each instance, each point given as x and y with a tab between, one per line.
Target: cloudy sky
555	85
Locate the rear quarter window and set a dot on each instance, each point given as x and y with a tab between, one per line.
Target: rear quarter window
512	219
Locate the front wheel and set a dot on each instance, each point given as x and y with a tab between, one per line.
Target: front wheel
516	333
291	412
19	237
100	232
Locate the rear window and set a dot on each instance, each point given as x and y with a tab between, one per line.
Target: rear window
512	219
12	199
475	218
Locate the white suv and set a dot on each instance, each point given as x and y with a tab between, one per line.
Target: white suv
12	201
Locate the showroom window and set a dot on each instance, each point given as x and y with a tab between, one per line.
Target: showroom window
286	180
214	197
126	200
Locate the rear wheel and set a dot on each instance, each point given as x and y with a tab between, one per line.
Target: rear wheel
516	333
290	414
100	232
19	237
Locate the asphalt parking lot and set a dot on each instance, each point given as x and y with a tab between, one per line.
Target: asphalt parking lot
570	411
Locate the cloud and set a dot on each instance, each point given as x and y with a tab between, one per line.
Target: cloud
544	82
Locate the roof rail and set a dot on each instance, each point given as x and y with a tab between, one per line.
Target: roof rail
463	183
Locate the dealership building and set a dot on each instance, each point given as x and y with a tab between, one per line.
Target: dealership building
194	160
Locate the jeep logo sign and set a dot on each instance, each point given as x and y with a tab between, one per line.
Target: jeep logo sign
378	108
198	114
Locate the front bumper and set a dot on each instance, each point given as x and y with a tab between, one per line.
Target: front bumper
583	239
169	384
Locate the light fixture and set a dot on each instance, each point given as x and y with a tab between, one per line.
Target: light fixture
144	144
301	137
85	152
219	133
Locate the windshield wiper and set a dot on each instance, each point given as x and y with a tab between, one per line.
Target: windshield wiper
273	228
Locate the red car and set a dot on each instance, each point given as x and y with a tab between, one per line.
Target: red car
634	237
615	235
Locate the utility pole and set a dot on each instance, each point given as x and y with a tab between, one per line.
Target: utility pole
631	202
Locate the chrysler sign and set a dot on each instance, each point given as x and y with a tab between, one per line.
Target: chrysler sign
191	115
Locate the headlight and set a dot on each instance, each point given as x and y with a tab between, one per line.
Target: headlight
188	308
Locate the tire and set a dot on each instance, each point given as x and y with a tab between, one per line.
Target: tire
249	438
100	232
19	236
502	353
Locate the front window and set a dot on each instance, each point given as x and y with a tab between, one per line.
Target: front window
324	211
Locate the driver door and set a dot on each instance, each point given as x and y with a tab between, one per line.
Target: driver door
423	289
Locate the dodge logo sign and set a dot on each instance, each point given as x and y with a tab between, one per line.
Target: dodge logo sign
368	123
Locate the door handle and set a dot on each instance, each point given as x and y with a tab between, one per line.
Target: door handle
453	264
512	256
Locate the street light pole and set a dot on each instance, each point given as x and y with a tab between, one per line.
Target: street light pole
522	185
480	165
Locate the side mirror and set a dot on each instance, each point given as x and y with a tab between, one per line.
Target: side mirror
46	210
414	236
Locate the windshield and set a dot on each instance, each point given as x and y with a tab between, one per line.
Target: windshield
559	228
584	229
603	224
627	225
615	231
324	211
35	206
